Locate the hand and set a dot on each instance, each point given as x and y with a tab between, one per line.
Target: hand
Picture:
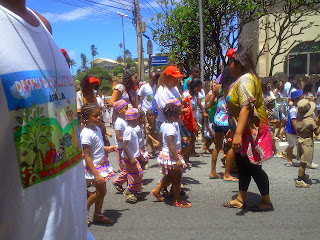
185	139
229	136
110	148
205	114
237	142
179	164
133	160
156	144
109	134
98	178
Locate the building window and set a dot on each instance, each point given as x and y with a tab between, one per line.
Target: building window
304	58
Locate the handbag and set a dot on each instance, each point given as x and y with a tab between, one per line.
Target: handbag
188	117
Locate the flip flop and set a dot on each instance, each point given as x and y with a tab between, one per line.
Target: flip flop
256	208
157	196
218	176
229	205
232	180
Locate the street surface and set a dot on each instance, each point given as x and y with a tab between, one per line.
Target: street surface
296	214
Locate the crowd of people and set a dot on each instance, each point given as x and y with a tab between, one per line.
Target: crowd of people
164	118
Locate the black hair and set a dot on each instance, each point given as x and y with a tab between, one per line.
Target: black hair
171	110
193	84
242	58
84	82
307	87
87	109
195	69
294	84
226	78
264	87
127	79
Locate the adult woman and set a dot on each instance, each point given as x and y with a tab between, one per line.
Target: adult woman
146	93
86	94
252	139
127	90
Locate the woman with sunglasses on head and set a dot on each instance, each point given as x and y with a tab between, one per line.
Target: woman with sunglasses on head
251	138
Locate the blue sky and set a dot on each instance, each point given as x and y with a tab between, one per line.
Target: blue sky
79	24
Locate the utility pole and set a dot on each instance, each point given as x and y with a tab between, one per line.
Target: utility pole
139	40
201	41
124	44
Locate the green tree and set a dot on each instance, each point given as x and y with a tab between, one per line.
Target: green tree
116	70
84	62
94	52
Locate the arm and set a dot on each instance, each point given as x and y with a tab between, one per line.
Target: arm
118	136
116	95
293	122
126	150
173	150
242	123
109	149
156	142
86	152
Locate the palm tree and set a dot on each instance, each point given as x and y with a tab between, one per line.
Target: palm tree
72	63
83	61
93	52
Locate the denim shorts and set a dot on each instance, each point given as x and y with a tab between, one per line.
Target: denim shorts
223	129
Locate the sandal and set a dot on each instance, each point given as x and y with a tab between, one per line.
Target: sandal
157	196
229	205
118	187
101	219
165	192
256	208
130	196
182	204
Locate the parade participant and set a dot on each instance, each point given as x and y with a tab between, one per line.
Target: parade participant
195	73
251	139
119	110
290	129
86	95
42	190
269	104
146	93
140	129
97	168
306	127
153	142
130	154
221	127
169	157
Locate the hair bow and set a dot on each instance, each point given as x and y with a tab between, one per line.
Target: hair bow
230	53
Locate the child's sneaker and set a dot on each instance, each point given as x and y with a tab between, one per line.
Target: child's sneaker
302	184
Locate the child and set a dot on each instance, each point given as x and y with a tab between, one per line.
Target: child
144	155
305	127
129	156
97	169
119	109
290	129
269	104
152	134
169	157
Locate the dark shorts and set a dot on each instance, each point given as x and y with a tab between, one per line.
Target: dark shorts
223	129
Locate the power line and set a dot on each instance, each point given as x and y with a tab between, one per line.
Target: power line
86	2
151	6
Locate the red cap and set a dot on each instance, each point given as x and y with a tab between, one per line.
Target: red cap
172	71
93	79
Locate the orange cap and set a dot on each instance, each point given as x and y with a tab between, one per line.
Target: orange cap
172	71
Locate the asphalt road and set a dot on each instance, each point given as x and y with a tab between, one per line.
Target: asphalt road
296	212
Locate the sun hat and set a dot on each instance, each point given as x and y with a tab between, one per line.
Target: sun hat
305	108
172	71
132	114
268	100
296	94
119	104
174	101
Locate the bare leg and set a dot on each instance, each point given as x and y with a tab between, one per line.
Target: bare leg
229	161
218	146
302	170
97	198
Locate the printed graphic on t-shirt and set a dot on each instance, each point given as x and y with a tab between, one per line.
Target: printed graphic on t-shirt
43	123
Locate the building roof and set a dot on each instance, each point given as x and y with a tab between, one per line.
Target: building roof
100	60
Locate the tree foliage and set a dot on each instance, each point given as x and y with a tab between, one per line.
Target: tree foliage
178	33
84	62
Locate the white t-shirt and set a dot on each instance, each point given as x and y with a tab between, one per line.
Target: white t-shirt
94	139
162	96
121	125
170	129
43	191
286	89
140	135
130	135
100	102
146	92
